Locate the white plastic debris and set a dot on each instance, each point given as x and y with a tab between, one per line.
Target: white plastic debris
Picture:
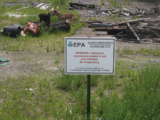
106	14
126	14
22	33
70	112
44	6
39	5
103	13
51	9
30	89
15	15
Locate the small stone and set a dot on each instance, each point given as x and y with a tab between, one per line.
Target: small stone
30	89
70	112
151	60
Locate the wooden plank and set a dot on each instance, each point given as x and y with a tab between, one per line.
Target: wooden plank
101	25
156	34
119	33
90	22
110	29
153	28
130	21
123	35
129	26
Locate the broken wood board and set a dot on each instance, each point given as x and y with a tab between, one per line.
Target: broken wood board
129	26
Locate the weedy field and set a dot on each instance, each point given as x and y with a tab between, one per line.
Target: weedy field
40	90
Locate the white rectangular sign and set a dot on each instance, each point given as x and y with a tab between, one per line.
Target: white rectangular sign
90	55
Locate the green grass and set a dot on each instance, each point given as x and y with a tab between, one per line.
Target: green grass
54	19
137	98
115	17
142	51
102	2
127	51
128	92
135	17
116	4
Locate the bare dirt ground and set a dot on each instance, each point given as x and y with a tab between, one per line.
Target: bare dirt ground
29	64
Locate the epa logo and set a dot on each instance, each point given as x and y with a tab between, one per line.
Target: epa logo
76	44
70	44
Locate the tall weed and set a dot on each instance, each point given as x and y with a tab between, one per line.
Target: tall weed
139	101
64	81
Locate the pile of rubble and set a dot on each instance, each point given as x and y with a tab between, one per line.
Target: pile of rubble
122	12
139	30
96	11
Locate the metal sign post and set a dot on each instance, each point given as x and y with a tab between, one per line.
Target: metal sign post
88	97
89	56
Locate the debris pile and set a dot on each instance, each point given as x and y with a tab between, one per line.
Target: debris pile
34	27
139	30
127	12
96	11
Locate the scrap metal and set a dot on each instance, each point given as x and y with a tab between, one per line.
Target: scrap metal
32	28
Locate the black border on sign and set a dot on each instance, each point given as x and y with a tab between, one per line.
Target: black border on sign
90	38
